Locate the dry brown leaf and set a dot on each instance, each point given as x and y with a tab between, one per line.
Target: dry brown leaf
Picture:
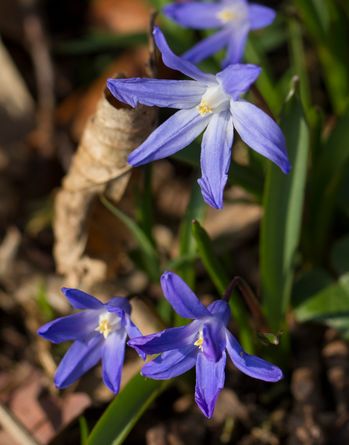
99	166
122	16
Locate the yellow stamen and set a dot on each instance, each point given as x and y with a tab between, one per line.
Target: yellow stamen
199	342
204	108
226	15
104	327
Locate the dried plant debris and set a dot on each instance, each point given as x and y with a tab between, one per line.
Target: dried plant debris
99	166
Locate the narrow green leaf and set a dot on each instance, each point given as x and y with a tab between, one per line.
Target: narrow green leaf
125	410
299	63
221	281
265	82
283	205
98	42
187	247
340	256
144	208
310	283
151	259
329	170
330	302
209	258
83	430
329	306
328	27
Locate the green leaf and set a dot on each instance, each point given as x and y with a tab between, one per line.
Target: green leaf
299	64
125	410
265	82
209	258
281	223
144	207
99	42
187	246
328	27
83	430
309	283
330	306
150	256
221	282
328	173
340	256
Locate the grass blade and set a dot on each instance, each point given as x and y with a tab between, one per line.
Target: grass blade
221	282
329	172
125	410
283	206
150	256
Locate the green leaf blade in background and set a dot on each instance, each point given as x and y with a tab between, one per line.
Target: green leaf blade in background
281	223
265	83
327	25
125	410
330	168
150	256
330	306
187	248
221	281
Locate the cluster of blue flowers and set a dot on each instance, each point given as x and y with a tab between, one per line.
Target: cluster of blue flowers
100	331
211	104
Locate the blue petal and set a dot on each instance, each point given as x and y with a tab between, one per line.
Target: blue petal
81	300
240	3
237	79
162	93
221	309
172	338
177	63
181	297
71	327
113	359
208	46
194	14
80	357
260	16
171	364
214	343
209	382
119	304
173	135
215	158
260	132
250	364
236	46
133	332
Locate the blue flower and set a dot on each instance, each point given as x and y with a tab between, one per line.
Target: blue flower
202	343
207	102
236	18
99	333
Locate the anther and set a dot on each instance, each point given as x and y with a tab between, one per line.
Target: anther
226	15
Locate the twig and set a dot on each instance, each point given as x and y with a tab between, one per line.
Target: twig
252	303
15	428
39	51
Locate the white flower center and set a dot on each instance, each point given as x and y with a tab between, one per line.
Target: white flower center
200	341
108	323
214	100
233	13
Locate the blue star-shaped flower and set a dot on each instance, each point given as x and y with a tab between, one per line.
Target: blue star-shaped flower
202	343
207	102
99	333
236	18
